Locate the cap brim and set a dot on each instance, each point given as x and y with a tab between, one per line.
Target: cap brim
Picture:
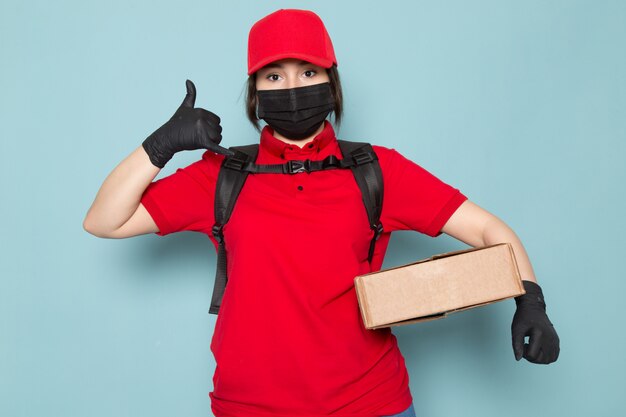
324	63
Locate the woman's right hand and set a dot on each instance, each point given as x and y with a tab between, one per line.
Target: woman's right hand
189	128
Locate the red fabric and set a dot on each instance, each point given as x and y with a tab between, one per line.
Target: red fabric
289	339
289	33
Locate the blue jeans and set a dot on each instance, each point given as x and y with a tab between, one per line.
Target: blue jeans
409	412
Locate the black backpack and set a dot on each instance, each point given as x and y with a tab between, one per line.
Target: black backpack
358	156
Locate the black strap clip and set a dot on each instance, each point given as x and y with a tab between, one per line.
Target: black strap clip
235	163
361	156
217	233
331	161
295	166
378	231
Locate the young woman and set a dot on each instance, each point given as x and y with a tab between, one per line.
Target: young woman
289	340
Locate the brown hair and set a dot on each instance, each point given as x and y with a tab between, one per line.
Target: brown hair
335	88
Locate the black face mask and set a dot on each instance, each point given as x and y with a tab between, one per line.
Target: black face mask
296	113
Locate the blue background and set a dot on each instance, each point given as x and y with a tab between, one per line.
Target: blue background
520	105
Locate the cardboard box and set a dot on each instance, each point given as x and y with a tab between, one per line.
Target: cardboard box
433	288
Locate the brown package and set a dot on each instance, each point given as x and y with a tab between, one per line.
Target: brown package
432	288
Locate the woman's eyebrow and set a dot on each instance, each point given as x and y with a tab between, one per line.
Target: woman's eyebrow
276	65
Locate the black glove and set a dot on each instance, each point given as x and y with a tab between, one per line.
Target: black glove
190	128
530	319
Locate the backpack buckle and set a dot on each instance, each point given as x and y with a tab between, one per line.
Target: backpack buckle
217	233
362	157
234	163
331	161
378	230
295	166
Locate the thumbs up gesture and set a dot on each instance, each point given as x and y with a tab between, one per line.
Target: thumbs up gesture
189	128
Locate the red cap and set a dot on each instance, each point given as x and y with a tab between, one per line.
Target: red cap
289	33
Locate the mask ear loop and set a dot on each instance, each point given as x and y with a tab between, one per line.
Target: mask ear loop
330	116
256	110
332	112
256	107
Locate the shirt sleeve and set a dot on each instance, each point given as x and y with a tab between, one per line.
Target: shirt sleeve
184	200
414	199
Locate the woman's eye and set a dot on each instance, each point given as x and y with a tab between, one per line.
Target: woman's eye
273	77
309	73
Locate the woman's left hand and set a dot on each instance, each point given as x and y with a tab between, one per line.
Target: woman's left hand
531	320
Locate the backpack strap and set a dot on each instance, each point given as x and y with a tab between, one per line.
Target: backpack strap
358	156
368	176
230	181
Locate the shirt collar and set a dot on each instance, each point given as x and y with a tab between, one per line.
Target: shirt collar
282	149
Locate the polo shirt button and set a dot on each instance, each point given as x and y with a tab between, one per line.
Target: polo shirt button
310	145
300	187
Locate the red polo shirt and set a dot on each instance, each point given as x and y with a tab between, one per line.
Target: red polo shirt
289	339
